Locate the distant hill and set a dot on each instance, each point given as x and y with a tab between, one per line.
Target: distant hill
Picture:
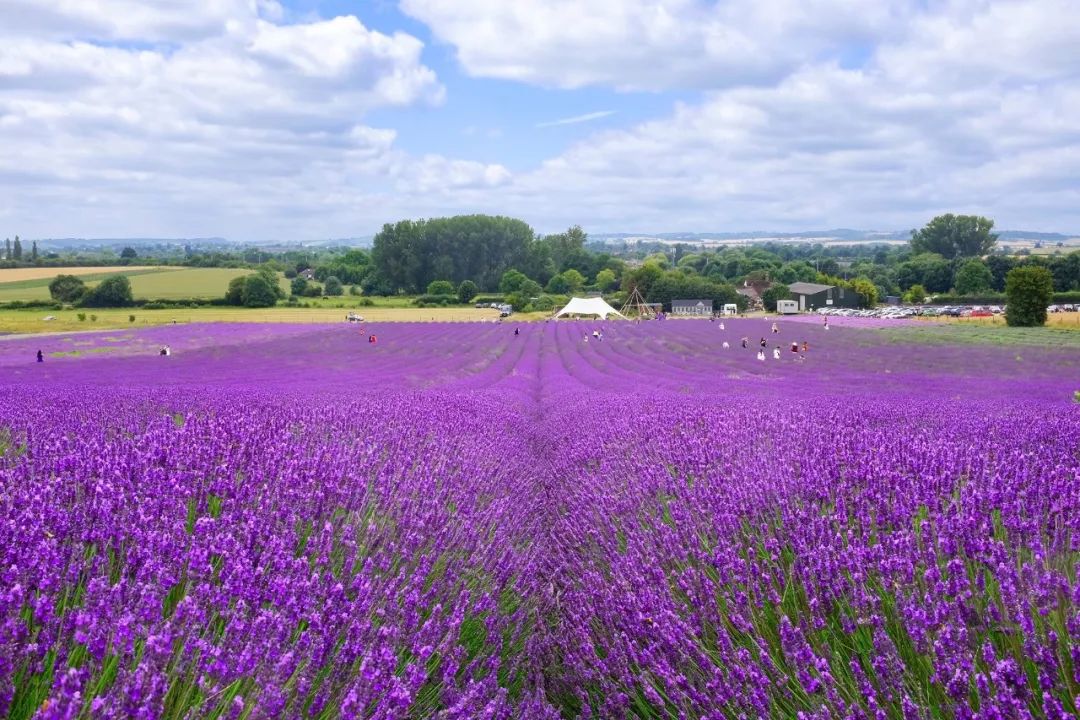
838	235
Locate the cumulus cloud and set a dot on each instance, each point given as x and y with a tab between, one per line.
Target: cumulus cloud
952	114
233	113
650	44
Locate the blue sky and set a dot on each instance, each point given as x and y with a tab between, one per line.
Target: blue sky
306	119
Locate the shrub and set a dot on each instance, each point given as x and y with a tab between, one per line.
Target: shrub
435	300
111	292
93	318
333	287
258	292
466	291
355	290
81	316
131	318
1029	290
155	306
440	287
366	302
67	288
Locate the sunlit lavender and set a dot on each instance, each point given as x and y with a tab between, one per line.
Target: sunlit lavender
460	522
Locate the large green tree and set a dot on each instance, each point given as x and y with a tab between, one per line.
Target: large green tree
410	254
1028	291
113	291
973	277
67	288
953	236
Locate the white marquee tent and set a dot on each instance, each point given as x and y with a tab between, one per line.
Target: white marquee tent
589	306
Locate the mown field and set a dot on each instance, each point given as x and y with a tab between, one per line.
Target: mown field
149	283
459	522
33	321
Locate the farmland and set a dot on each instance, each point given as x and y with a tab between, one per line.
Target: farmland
158	283
286	520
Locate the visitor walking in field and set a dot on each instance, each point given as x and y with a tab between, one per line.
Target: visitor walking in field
40	356
776	353
775	328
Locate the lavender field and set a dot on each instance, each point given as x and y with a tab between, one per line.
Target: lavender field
457	522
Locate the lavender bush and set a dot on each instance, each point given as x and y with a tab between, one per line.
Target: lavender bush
457	522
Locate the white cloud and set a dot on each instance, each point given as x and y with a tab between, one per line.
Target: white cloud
952	115
577	119
237	125
649	44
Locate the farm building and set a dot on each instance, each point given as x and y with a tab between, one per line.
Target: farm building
812	296
692	308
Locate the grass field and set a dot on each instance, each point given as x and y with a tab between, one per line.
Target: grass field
152	283
48	273
32	321
984	334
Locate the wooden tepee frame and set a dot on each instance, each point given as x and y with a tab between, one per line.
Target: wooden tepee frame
635	304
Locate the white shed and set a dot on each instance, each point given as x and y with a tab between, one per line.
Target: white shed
787	307
731	309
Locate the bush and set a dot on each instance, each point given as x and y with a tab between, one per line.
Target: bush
299	285
154	306
366	302
440	287
258	292
111	292
333	287
81	316
773	294
1029	290
67	288
93	318
131	318
355	290
466	291
488	299
435	300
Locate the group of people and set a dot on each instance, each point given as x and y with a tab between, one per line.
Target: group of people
597	335
799	352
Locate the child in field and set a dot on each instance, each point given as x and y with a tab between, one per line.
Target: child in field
775	328
760	354
776	353
763	344
372	339
40	356
826	323
805	346
726	346
744	340
517	331
721	324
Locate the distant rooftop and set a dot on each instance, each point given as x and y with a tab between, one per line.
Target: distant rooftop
805	288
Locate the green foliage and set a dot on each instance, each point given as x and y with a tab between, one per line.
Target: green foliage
440	287
916	295
113	291
81	316
867	291
1029	290
131	318
930	270
466	291
512	281
299	285
411	254
67	288
333	287
355	290
605	280
770	296
258	292
235	293
440	300
128	253
973	277
953	236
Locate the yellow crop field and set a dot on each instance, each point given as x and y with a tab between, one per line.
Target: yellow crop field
48	273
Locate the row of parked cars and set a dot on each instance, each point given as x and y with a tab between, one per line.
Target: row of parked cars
505	310
906	311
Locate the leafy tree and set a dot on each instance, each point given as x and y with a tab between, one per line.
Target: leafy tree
33	251
530	288
642	278
481	248
128	253
953	236
511	281
867	292
113	291
930	270
7	249
557	285
67	288
269	273
916	294
333	286
235	294
440	287
973	277
605	280
774	293
258	292
1029	291
466	291
566	283
298	286
17	251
